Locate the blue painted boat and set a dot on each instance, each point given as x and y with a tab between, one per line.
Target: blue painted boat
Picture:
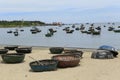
110	48
43	65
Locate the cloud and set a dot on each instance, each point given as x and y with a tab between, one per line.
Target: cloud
44	5
60	10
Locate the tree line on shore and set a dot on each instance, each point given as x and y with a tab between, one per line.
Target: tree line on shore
20	23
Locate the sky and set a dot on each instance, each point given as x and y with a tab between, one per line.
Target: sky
66	11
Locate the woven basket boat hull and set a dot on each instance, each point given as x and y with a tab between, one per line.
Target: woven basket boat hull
66	60
23	50
3	51
56	50
13	58
69	50
73	52
43	65
11	47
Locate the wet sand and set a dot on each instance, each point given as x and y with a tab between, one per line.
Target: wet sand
89	69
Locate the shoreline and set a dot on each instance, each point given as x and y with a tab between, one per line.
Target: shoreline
47	47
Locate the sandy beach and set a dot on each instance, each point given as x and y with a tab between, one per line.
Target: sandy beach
89	69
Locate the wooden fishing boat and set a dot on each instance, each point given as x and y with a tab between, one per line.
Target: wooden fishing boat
9	31
110	28
16	33
34	32
48	35
83	31
117	30
77	28
22	30
96	33
69	31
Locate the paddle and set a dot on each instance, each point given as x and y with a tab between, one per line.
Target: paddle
34	59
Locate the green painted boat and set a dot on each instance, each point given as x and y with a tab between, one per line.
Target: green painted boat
56	50
13	57
3	51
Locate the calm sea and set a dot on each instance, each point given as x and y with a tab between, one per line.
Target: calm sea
60	38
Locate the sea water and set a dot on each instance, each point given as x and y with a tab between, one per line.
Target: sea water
61	38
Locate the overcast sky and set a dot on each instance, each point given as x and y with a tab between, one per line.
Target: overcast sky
67	11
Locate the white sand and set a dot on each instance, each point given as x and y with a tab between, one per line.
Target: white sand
89	69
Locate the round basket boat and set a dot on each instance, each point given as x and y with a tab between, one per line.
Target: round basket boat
65	61
24	50
11	47
74	52
43	65
3	51
70	50
56	50
13	57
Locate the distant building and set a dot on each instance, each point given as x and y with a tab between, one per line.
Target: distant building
57	23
